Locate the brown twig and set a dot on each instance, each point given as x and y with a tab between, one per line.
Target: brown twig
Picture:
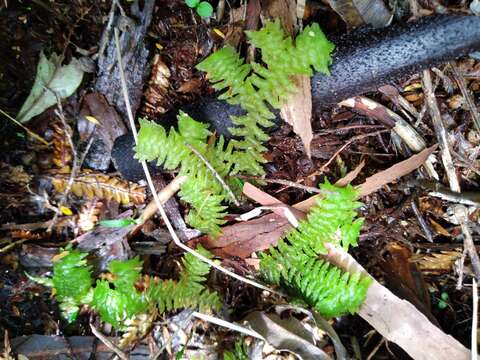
108	343
440	131
166	193
344	146
466	94
421	221
289	183
461	215
460	210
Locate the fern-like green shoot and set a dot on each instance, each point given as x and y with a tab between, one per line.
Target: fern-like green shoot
202	190
116	297
239	352
295	265
255	86
188	291
71	282
117	300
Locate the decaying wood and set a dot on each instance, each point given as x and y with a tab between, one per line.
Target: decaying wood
135	59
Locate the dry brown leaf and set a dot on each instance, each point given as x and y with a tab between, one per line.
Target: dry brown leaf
375	182
437	263
399	321
101	186
297	111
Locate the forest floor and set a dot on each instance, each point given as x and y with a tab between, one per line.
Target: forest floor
410	242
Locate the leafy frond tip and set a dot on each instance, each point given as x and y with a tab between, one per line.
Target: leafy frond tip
117	296
294	263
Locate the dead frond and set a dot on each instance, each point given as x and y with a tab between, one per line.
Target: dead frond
62	152
101	186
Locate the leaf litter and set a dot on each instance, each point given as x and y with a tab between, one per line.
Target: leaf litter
373	164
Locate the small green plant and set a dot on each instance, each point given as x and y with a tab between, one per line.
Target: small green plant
254	87
117	298
239	352
204	8
295	265
443	301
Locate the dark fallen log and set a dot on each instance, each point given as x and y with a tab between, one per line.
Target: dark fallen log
367	59
363	61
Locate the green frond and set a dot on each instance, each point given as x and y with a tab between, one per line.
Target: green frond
294	263
206	213
256	85
125	273
116	306
333	221
226	70
239	352
325	287
202	190
71	276
117	300
189	291
257	88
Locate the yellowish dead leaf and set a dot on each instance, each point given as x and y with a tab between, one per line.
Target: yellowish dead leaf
59	256
298	111
66	211
92	119
219	33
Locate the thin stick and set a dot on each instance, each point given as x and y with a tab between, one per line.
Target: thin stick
467	95
289	183
108	343
30	132
473	339
154	193
344	146
215	173
228	325
461	215
164	195
440	131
